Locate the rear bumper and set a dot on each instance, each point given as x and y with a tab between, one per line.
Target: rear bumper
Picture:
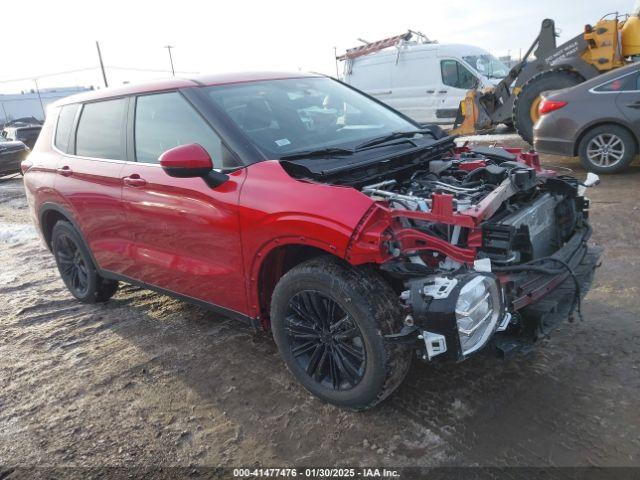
555	146
10	162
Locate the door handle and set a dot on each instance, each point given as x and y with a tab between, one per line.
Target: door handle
134	180
633	105
442	91
65	171
431	91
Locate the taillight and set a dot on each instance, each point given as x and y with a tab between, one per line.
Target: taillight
547	106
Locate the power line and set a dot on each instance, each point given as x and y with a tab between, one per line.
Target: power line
32	77
78	70
149	70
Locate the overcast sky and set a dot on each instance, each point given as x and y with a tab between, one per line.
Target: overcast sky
235	35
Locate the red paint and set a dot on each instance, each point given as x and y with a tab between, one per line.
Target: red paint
191	156
413	241
176	83
471	165
212	244
528	157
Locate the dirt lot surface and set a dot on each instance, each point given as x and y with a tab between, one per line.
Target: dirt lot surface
148	380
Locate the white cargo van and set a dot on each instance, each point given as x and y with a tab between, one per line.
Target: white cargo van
425	81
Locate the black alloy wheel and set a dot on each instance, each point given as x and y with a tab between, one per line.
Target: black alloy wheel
72	265
329	321
76	266
325	341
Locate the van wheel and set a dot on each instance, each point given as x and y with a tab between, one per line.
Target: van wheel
329	322
76	268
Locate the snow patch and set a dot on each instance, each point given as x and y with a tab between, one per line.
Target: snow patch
498	137
14	233
7	278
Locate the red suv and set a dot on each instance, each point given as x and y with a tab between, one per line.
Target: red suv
298	204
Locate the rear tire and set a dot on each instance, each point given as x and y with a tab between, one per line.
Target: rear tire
76	267
329	321
529	97
607	149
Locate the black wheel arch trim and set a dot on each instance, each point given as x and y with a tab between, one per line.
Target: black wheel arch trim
49	207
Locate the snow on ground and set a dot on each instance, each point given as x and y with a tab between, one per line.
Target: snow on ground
13	233
495	137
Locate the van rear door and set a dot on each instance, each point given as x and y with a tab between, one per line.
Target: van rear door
415	85
372	75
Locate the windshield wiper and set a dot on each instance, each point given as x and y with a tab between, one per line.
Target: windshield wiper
322	152
388	138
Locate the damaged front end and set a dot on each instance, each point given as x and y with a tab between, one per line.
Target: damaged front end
486	247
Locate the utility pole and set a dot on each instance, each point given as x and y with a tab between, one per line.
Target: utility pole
44	115
169	47
6	117
104	75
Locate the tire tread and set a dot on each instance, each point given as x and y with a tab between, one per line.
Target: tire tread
379	299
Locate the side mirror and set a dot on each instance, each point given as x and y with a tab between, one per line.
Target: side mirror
190	161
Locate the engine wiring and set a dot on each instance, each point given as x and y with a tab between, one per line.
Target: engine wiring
532	266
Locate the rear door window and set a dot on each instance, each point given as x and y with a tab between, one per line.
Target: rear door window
100	130
65	124
166	120
457	75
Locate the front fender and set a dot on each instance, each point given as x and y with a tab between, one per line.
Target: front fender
278	210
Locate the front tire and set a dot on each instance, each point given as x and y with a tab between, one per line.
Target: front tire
329	321
607	149
76	267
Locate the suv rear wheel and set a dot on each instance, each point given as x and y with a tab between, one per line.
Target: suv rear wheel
607	149
329	322
76	268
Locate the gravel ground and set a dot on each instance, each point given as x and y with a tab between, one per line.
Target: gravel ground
148	380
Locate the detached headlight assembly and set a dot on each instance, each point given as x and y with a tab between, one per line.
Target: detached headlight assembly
458	314
478	310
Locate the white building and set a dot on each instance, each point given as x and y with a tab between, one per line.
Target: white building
30	104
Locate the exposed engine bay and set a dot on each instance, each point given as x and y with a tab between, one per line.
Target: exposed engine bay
522	215
510	234
483	244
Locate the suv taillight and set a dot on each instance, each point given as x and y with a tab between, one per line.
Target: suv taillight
547	106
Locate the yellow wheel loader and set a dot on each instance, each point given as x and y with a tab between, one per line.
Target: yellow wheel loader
611	43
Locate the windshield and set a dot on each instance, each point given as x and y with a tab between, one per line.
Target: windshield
487	65
287	116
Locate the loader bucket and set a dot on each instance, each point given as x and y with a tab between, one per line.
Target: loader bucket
471	116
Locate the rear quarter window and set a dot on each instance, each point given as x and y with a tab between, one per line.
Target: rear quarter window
66	117
100	130
622	84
